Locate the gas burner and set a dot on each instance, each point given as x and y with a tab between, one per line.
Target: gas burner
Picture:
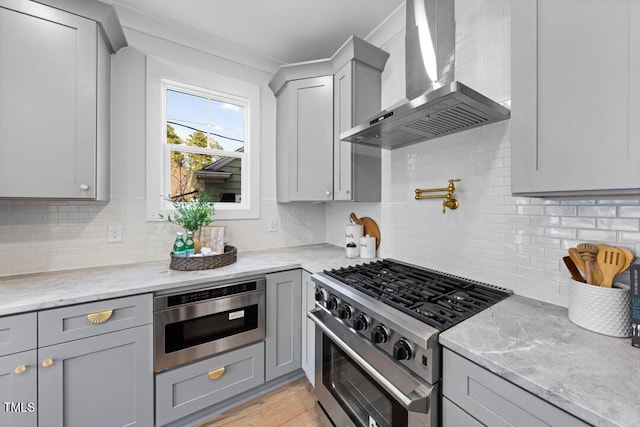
435	298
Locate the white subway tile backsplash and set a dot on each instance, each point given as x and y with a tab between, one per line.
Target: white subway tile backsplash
618	224
578	222
599	211
597	236
629	211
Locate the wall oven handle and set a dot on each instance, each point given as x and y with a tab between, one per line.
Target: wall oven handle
411	404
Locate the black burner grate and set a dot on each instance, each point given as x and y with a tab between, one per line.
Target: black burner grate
435	298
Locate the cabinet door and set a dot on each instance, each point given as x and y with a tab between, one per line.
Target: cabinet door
103	380
18	396
576	96
308	327
309	139
493	400
283	334
357	168
48	102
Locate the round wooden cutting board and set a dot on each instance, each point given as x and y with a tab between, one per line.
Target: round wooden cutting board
369	227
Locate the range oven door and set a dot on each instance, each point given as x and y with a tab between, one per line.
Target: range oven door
357	385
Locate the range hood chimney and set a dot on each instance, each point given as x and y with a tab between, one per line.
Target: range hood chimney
438	105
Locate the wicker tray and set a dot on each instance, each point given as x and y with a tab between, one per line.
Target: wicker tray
229	256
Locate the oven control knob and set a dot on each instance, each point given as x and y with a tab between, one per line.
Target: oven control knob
380	334
321	295
402	350
345	312
332	303
361	323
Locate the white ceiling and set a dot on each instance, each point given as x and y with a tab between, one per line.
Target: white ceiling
283	30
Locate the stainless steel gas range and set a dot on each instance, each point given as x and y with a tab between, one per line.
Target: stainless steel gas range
377	352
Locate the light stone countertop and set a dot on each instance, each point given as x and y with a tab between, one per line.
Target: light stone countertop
39	291
534	345
529	343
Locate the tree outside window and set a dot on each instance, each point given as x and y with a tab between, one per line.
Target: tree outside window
205	145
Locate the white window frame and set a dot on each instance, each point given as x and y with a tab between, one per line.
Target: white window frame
163	74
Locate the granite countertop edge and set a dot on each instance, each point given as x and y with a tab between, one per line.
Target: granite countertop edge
535	346
38	291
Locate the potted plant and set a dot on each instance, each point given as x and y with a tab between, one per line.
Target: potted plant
192	216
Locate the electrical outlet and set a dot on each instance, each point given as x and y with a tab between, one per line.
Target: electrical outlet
114	233
273	225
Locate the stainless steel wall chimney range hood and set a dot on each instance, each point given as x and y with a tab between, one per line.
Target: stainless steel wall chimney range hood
438	104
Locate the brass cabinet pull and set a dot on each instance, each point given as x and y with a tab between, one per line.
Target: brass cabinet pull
47	362
20	369
99	317
216	373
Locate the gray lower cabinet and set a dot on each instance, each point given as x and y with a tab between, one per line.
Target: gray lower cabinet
475	395
284	318
18	370
18	389
185	390
308	327
102	380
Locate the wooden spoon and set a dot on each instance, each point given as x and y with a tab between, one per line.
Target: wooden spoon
575	257
611	261
627	253
588	252
575	273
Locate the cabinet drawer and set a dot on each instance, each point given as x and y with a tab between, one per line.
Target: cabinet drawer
85	320
17	333
185	390
494	401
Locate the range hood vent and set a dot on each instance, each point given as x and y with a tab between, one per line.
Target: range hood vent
442	106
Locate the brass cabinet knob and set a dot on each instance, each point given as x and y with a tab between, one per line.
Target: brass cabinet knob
99	317
20	369
216	373
47	362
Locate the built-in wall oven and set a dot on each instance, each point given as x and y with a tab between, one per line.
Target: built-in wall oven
211	319
378	360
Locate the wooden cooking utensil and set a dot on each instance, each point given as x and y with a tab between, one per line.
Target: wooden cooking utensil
588	252
575	257
611	261
575	273
369	227
627	254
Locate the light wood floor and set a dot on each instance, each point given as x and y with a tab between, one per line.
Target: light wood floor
291	405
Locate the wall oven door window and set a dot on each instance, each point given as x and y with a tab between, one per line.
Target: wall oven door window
357	385
196	324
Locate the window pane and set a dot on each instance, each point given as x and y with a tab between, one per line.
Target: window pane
218	177
185	106
222	180
227	125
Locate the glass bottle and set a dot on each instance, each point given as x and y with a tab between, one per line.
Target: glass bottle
189	245
179	248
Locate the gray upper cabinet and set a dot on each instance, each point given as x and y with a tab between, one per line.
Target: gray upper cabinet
357	97
54	109
304	159
575	97
315	102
